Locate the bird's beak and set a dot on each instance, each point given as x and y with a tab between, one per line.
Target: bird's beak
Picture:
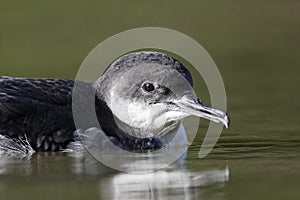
190	105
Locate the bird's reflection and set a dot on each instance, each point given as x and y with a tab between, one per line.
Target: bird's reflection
174	182
13	165
160	185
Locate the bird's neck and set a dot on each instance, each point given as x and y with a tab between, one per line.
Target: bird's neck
114	128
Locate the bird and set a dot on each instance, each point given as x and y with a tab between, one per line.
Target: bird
142	95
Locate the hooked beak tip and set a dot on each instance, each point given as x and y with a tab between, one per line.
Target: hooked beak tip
193	106
227	119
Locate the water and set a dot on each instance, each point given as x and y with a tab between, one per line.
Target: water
234	170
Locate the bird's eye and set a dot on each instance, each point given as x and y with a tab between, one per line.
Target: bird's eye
149	87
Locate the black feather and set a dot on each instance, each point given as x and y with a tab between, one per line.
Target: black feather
40	109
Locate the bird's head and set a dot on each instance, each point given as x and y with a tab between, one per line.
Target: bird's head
151	93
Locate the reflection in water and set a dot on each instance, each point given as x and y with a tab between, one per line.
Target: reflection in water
13	165
58	170
84	163
160	184
171	183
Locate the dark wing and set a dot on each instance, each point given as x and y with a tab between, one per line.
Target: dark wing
39	109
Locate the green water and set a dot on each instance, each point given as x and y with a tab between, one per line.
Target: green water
255	44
